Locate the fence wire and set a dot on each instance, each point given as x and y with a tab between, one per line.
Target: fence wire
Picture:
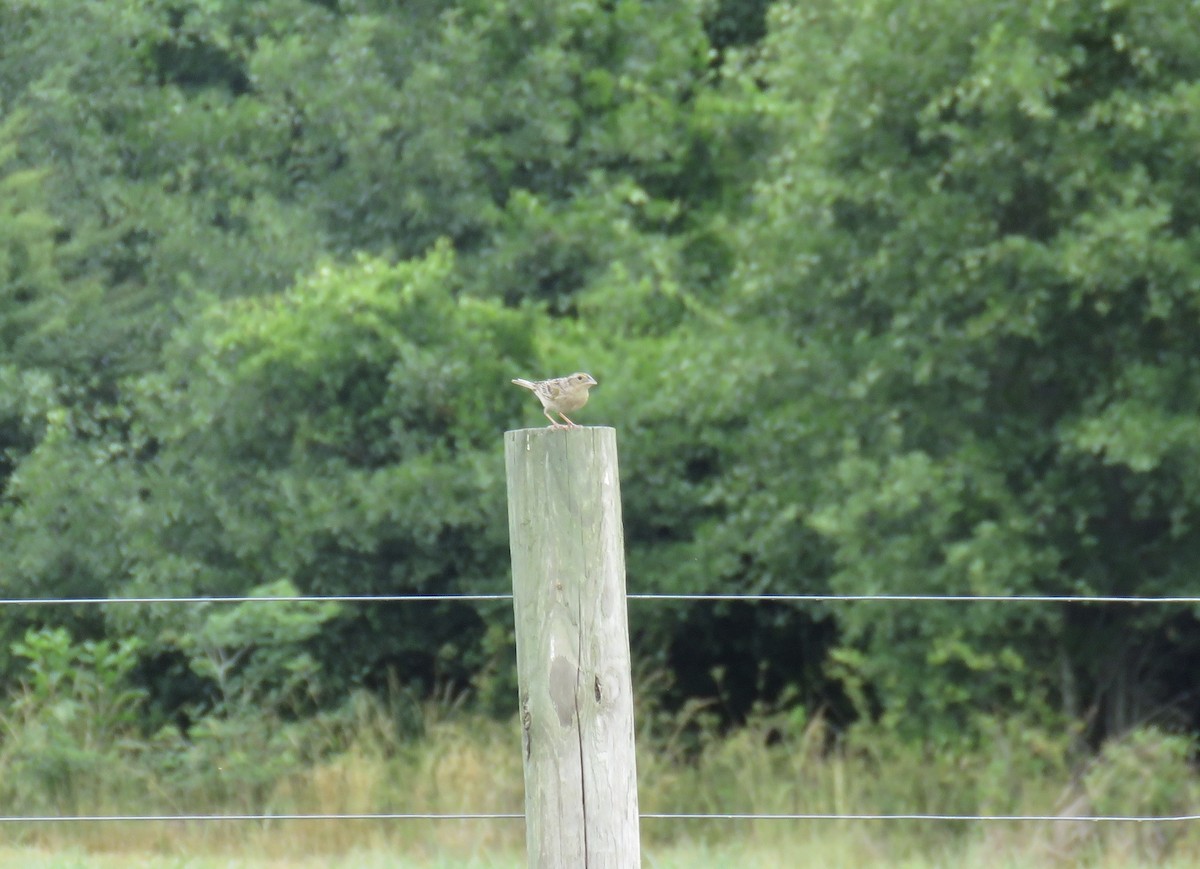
655	816
766	598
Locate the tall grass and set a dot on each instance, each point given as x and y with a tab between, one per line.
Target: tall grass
360	761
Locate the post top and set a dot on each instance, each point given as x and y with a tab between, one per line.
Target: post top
545	429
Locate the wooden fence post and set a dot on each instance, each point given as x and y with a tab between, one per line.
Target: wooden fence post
568	558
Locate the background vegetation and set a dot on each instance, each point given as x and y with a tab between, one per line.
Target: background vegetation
883	297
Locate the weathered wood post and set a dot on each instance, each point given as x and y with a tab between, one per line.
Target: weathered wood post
568	557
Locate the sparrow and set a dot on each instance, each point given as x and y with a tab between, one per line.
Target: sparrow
562	395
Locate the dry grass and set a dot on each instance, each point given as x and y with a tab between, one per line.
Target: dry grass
469	764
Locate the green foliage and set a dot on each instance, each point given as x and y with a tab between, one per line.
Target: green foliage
63	513
1146	772
70	722
80	683
27	266
897	297
345	432
36	303
252	652
998	273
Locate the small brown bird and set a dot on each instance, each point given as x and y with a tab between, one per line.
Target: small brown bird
562	395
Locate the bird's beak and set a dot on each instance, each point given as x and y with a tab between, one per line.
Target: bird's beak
592	381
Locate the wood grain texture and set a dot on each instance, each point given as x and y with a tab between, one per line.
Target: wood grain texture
568	557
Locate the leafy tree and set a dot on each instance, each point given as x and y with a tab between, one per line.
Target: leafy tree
896	297
54	425
176	159
977	223
340	436
253	654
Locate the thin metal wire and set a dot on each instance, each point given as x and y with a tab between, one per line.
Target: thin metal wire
1142	819
663	816
781	598
357	816
945	598
294	598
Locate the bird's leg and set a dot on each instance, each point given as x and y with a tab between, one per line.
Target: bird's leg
553	422
569	423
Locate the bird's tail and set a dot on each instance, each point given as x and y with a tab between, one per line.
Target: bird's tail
527	384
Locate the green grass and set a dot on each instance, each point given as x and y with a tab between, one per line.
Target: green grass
840	850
